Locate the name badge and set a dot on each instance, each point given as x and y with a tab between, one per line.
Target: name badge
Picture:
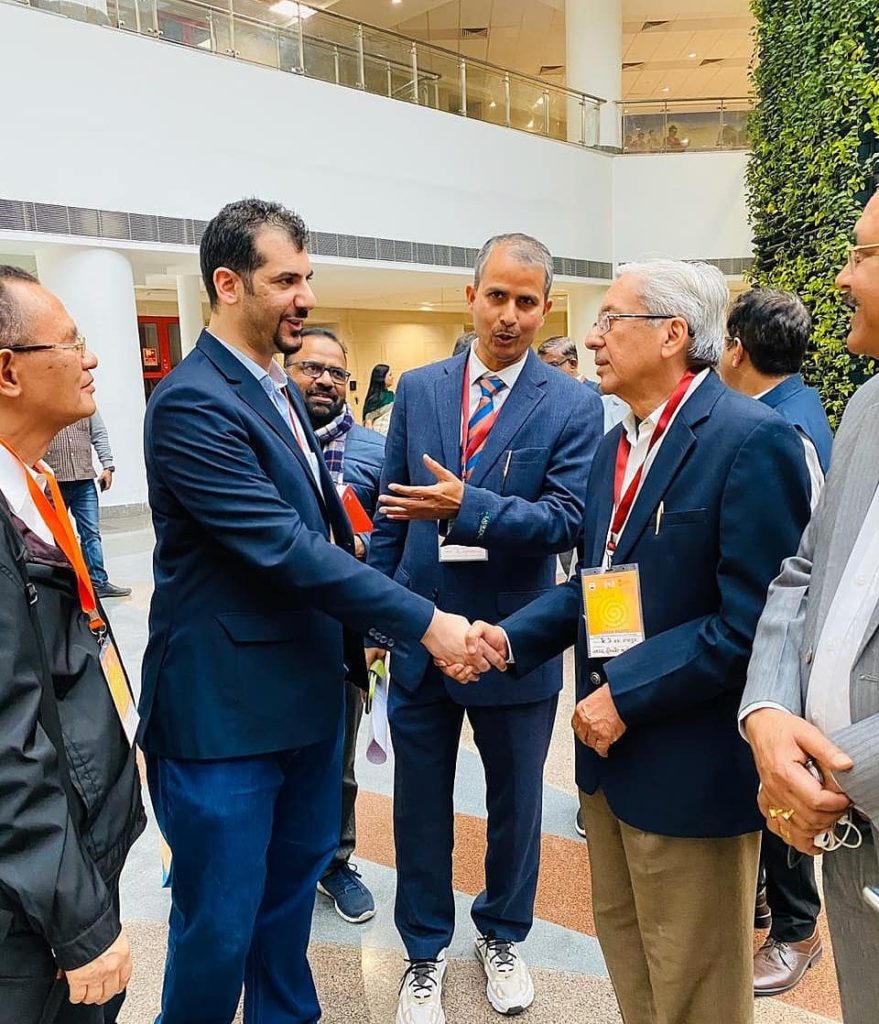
119	686
461	552
612	610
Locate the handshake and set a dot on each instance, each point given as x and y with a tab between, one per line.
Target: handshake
464	651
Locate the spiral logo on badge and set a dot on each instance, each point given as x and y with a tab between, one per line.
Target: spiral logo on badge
612	609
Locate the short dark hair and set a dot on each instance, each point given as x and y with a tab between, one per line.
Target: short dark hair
464	342
229	240
774	328
11	321
316	332
565	346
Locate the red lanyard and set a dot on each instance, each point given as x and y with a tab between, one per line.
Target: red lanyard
297	430
55	516
622	503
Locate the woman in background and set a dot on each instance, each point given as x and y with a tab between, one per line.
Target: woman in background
379	399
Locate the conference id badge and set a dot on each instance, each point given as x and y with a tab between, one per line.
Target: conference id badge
612	610
460	552
119	686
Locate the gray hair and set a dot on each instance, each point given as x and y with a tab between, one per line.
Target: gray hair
12	326
523	249
463	342
695	291
566	347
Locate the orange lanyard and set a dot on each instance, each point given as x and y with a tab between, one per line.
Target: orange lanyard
54	515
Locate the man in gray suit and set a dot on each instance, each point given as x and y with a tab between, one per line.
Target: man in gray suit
812	696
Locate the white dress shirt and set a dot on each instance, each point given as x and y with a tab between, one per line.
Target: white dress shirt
13	484
476	369
828	702
639	434
274	382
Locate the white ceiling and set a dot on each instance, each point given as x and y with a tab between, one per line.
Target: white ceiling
528	35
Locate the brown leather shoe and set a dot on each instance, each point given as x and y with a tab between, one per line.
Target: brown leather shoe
779	966
762	913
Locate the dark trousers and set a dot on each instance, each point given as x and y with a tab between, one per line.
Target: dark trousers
81	498
348	833
791	892
512	742
250	838
29	991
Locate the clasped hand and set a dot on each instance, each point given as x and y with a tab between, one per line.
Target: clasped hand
485	647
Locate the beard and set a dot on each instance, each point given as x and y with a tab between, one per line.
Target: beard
321	415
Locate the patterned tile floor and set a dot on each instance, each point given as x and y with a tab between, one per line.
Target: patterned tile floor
358	967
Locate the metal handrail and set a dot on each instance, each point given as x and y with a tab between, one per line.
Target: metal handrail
689	99
574	116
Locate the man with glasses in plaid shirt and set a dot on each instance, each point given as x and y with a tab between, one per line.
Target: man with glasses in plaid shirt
354	455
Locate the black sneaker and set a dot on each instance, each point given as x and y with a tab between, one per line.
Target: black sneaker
111	590
578	824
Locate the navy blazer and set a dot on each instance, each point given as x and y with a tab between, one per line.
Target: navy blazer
801	406
245	652
362	468
524	503
732	480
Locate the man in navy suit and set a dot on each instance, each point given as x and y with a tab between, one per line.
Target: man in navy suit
767	333
705	492
485	471
354	456
241	704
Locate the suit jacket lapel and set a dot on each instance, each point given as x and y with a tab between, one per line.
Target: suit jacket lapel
675	446
524	398
449	390
784	390
250	390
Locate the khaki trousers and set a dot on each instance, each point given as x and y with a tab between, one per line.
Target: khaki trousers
675	920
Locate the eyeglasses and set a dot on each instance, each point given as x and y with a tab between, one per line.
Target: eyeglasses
560	362
605	321
70	346
857	253
317	370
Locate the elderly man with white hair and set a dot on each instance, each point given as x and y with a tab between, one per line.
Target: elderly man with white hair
692	503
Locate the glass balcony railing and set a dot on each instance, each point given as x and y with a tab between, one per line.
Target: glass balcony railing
685	126
296	38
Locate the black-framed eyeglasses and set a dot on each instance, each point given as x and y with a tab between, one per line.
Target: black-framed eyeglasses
316	370
559	362
79	346
605	321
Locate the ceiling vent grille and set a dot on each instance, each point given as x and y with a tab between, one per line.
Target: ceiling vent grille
474	33
552	69
710	60
633	64
652	24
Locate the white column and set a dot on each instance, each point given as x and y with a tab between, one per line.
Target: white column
97	287
583	305
189	310
594	59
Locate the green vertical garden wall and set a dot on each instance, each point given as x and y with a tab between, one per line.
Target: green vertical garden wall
815	160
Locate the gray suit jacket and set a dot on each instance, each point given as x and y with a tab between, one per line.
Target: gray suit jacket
799	599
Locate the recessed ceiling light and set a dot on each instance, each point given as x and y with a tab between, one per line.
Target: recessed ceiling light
492	105
666	89
290	9
692	56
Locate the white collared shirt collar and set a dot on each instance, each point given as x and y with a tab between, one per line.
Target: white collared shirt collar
509	374
634	430
275	374
13	484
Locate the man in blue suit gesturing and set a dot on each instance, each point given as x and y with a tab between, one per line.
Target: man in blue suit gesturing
485	473
256	588
693	502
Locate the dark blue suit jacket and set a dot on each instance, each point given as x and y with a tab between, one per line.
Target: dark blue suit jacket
801	406
732	479
362	464
245	652
524	503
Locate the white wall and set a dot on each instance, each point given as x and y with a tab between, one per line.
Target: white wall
114	121
687	206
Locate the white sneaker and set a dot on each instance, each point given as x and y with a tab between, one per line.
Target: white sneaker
421	992
510	989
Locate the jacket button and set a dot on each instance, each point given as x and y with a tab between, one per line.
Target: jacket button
390	644
595	679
